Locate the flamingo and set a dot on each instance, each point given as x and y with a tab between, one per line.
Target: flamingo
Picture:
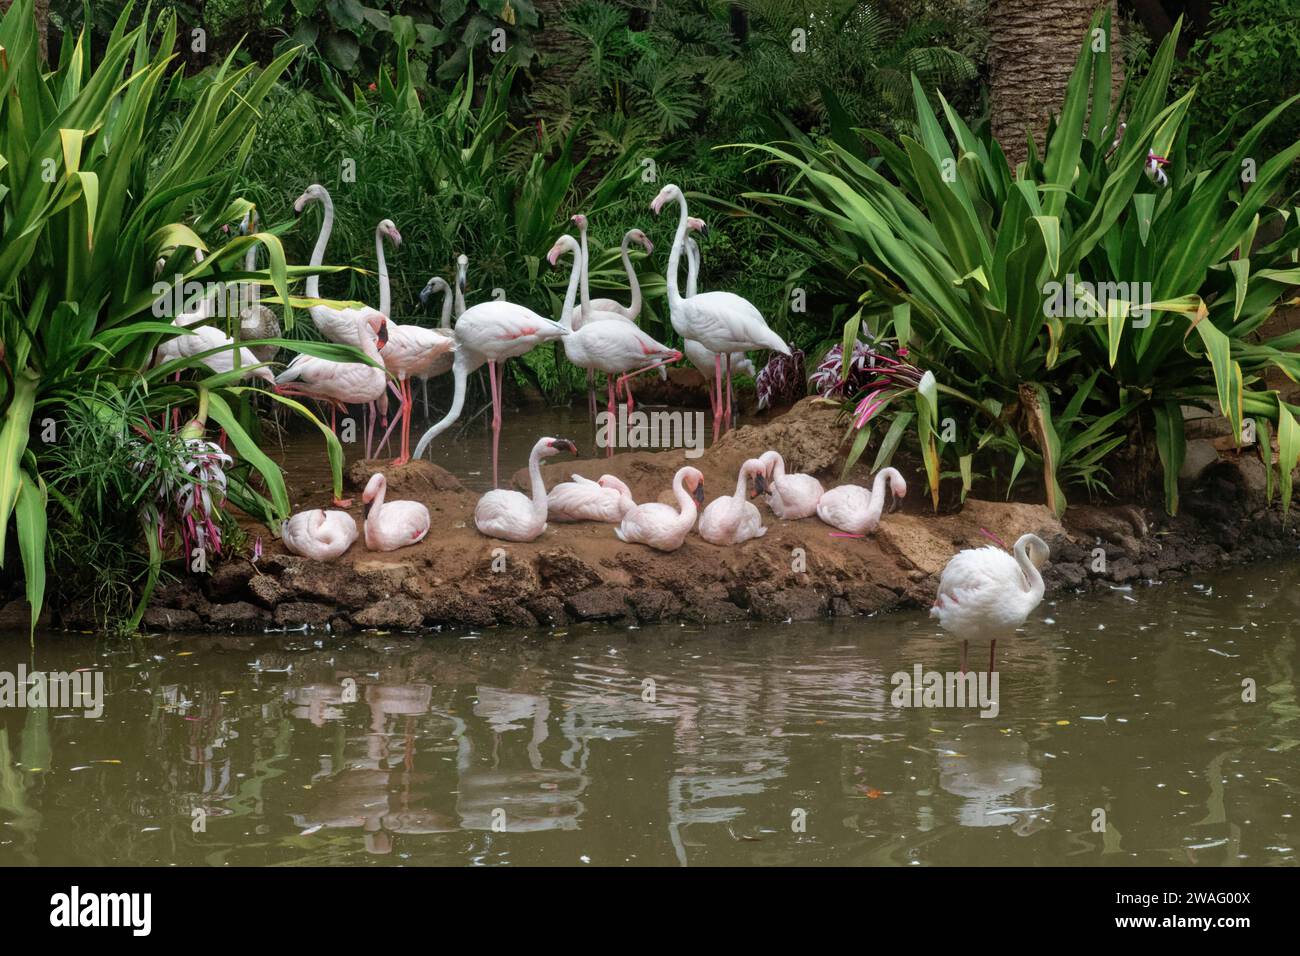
512	515
789	496
318	534
462	283
615	347
338	383
393	524
856	510
985	592
704	360
256	321
722	322
582	499
733	519
661	526
490	332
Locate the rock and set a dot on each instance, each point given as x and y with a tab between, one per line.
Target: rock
1123	526
416	479
237	613
516	616
331	582
182	593
400	612
561	569
300	613
654	604
266	590
228	579
1200	454
382	578
453	606
598	604
867	598
547	609
167	619
789	604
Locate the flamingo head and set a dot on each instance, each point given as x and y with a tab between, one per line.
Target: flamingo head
698	225
565	243
579	220
314	193
378	323
462	272
248	225
636	235
666	195
374	487
1035	547
553	446
760	484
614	483
898	485
436	284
693	482
388	229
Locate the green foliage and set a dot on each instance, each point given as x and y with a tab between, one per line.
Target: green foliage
95	190
966	262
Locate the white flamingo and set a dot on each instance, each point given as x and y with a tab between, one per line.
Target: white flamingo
722	322
790	496
319	534
490	332
856	510
985	592
256	321
338	383
734	519
615	347
512	515
704	360
661	526
391	524
607	499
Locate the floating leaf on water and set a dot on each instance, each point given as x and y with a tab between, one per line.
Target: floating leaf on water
1061	723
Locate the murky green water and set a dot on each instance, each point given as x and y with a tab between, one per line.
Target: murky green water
763	745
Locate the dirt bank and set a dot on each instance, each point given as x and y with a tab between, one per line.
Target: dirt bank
796	571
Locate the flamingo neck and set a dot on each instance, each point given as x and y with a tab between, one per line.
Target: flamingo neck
369	344
634	309
464	363
742	485
1033	580
876	506
675	256
692	267
462	273
446	310
685	502
535	482
586	291
566	316
385	295
318	253
778	466
252	290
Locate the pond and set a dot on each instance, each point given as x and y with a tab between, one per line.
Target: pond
677	745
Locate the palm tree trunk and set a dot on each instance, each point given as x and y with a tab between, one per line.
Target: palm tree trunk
1032	49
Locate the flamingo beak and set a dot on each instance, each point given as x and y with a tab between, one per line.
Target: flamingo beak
383	334
760	485
704	231
656	204
365	510
563	444
698	493
425	293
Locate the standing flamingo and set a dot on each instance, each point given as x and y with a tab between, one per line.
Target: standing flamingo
615	347
515	516
660	526
733	519
722	322
393	524
789	496
705	361
318	534
856	510
256	321
582	499
490	332
985	592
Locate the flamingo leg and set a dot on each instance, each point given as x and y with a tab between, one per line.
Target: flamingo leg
591	395
716	393
963	655
993	644
730	420
496	417
609	447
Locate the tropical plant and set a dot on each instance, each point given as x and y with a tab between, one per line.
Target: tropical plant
99	195
1013	287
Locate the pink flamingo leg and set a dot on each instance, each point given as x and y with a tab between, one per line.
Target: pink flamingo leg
609	446
992	647
496	418
591	395
730	420
715	392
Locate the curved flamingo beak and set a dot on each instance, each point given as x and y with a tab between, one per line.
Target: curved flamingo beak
698	493
554	255
760	485
657	203
649	246
563	444
383	334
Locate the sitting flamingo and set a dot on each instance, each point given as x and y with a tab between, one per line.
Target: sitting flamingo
789	496
733	520
320	535
512	515
585	500
659	525
985	592
393	524
856	510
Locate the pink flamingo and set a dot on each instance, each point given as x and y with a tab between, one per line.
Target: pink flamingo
704	360
733	519
318	534
391	524
789	496
582	499
856	510
722	322
615	347
491	333
660	526
512	515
